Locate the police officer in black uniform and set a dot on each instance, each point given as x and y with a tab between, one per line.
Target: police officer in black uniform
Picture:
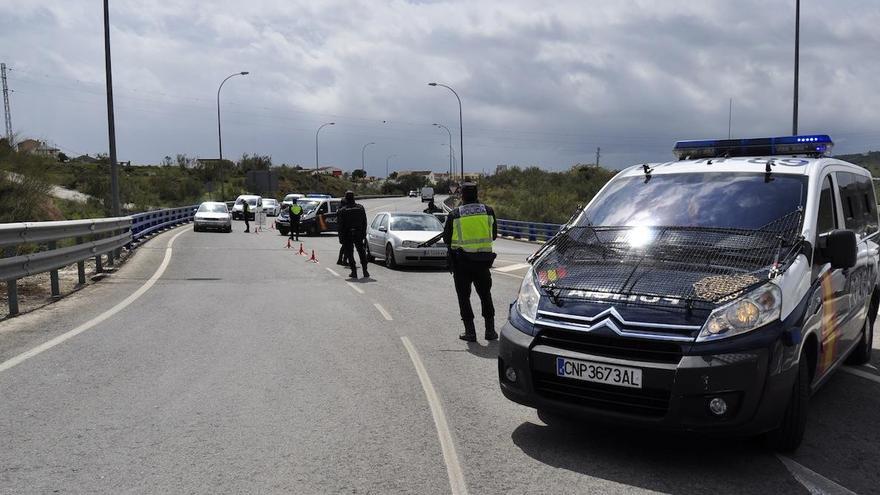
469	233
432	208
352	224
246	212
294	214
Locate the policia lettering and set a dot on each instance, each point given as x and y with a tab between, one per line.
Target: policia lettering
469	232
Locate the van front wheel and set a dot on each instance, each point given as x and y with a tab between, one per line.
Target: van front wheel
862	353
788	437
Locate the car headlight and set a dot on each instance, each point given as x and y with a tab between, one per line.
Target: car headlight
528	298
409	244
751	311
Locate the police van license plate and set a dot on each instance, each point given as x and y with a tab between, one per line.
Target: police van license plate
609	374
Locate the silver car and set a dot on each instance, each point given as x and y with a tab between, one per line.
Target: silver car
395	237
212	215
271	207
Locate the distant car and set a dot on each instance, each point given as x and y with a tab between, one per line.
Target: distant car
319	215
212	215
394	237
414	194
427	194
254	202
271	207
288	200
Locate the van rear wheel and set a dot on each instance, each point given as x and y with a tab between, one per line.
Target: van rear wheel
788	437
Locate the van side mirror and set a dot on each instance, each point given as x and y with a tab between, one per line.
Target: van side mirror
839	248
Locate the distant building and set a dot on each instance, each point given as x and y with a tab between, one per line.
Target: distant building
334	171
36	147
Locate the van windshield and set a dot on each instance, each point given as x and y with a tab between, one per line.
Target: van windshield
307	205
710	200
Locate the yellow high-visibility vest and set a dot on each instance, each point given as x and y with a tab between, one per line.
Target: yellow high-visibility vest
295	209
472	230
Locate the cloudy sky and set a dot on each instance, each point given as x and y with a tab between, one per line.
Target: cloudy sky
542	83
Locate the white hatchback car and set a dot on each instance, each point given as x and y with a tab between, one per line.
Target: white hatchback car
255	204
271	207
395	238
212	215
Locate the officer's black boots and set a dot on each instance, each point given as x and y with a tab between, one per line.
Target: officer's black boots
366	273
353	274
490	329
470	331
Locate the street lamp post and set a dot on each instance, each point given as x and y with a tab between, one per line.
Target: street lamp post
363	157
219	133
451	171
386	165
111	121
797	42
460	128
316	148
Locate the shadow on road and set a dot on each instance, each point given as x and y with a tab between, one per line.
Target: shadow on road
487	351
664	462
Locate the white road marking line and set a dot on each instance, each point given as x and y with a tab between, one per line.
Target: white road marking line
98	319
333	272
511	268
453	468
382	310
507	274
355	287
860	373
814	482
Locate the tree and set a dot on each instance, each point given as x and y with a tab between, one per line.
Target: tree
358	174
254	162
62	157
166	161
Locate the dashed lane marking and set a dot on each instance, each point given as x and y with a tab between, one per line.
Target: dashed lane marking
382	310
355	287
333	272
98	319
860	373
512	268
814	482
447	447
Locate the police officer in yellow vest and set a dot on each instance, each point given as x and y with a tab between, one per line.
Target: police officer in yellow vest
469	232
294	215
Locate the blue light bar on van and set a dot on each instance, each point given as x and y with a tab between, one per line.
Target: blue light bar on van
817	144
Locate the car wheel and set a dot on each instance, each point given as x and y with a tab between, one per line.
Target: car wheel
788	437
195	228
229	229
389	257
862	353
313	230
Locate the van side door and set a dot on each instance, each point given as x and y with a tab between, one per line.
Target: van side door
832	281
859	215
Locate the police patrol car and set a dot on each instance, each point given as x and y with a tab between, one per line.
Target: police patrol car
713	293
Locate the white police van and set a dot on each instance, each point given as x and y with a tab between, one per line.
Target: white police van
713	293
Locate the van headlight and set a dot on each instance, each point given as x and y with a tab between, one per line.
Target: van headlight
753	310
528	298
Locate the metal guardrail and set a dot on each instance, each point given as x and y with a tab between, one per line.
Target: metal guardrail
38	243
531	231
143	224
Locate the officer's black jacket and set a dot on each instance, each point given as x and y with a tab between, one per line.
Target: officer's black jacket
352	221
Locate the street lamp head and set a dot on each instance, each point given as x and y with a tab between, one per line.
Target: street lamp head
244	73
331	123
432	84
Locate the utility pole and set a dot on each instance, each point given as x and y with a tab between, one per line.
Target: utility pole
598	154
797	45
111	122
6	113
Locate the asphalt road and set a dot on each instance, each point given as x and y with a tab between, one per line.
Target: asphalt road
244	368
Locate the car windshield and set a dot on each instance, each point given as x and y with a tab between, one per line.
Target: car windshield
415	222
269	202
212	208
710	200
308	206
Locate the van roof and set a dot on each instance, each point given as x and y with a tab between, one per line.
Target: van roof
793	165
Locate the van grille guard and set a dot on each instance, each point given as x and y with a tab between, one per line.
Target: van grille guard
687	267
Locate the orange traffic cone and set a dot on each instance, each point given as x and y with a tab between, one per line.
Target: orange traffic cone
313	259
301	250
288	243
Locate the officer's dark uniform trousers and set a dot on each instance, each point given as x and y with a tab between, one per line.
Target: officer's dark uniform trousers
466	272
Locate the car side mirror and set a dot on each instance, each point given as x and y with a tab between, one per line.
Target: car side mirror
839	248
383	228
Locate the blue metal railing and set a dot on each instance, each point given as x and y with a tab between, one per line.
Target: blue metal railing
143	224
531	231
